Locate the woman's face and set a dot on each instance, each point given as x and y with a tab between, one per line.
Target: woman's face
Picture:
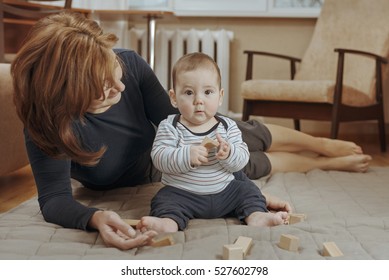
112	94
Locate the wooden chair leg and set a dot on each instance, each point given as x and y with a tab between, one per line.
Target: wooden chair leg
334	129
246	113
297	124
335	122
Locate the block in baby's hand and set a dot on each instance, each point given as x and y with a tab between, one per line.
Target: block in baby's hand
209	143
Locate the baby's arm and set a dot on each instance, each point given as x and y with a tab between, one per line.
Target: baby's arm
167	156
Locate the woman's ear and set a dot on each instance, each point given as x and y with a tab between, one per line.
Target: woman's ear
173	99
221	95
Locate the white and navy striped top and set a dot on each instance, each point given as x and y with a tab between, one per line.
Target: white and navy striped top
171	155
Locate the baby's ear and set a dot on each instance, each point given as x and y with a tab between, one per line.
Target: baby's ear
221	95
173	99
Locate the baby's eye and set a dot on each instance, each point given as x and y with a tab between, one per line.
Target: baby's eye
208	92
188	92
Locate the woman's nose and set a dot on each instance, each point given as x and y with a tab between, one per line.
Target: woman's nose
120	86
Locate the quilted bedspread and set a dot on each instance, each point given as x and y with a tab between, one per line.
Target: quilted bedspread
350	209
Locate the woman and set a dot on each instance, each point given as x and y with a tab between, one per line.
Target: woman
90	114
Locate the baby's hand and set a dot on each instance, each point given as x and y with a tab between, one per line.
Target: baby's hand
224	148
198	155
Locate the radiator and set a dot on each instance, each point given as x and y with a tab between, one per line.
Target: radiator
172	44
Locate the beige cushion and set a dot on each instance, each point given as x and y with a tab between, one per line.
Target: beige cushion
304	91
12	149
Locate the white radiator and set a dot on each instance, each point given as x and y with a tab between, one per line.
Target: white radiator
172	44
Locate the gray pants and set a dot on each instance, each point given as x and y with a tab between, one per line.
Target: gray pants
239	199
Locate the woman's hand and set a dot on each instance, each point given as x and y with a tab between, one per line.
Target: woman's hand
116	233
276	204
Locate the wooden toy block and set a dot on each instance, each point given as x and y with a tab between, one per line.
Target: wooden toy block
163	241
295	218
131	222
331	250
245	243
209	143
232	252
289	242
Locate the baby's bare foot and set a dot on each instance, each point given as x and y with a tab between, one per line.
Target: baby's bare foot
338	148
159	225
266	219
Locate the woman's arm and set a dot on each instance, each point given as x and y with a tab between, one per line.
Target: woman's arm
58	206
56	201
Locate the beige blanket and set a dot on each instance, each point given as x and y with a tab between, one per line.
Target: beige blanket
349	209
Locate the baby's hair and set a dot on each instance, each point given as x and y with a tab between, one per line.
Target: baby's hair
192	61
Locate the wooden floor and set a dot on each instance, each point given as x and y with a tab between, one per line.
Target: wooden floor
19	186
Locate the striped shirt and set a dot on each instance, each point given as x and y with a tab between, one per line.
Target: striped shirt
171	155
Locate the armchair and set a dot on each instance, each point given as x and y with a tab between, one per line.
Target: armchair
324	85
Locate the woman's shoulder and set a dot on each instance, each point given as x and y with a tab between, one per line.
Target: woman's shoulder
133	62
127	54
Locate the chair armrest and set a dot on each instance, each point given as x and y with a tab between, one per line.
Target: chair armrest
250	56
379	60
363	53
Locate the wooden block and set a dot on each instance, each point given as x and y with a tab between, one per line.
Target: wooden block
245	243
289	242
163	241
232	252
296	218
331	250
131	222
209	143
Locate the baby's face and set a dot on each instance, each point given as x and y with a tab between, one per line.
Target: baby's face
197	95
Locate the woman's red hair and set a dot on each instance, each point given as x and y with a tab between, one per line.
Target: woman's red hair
60	69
